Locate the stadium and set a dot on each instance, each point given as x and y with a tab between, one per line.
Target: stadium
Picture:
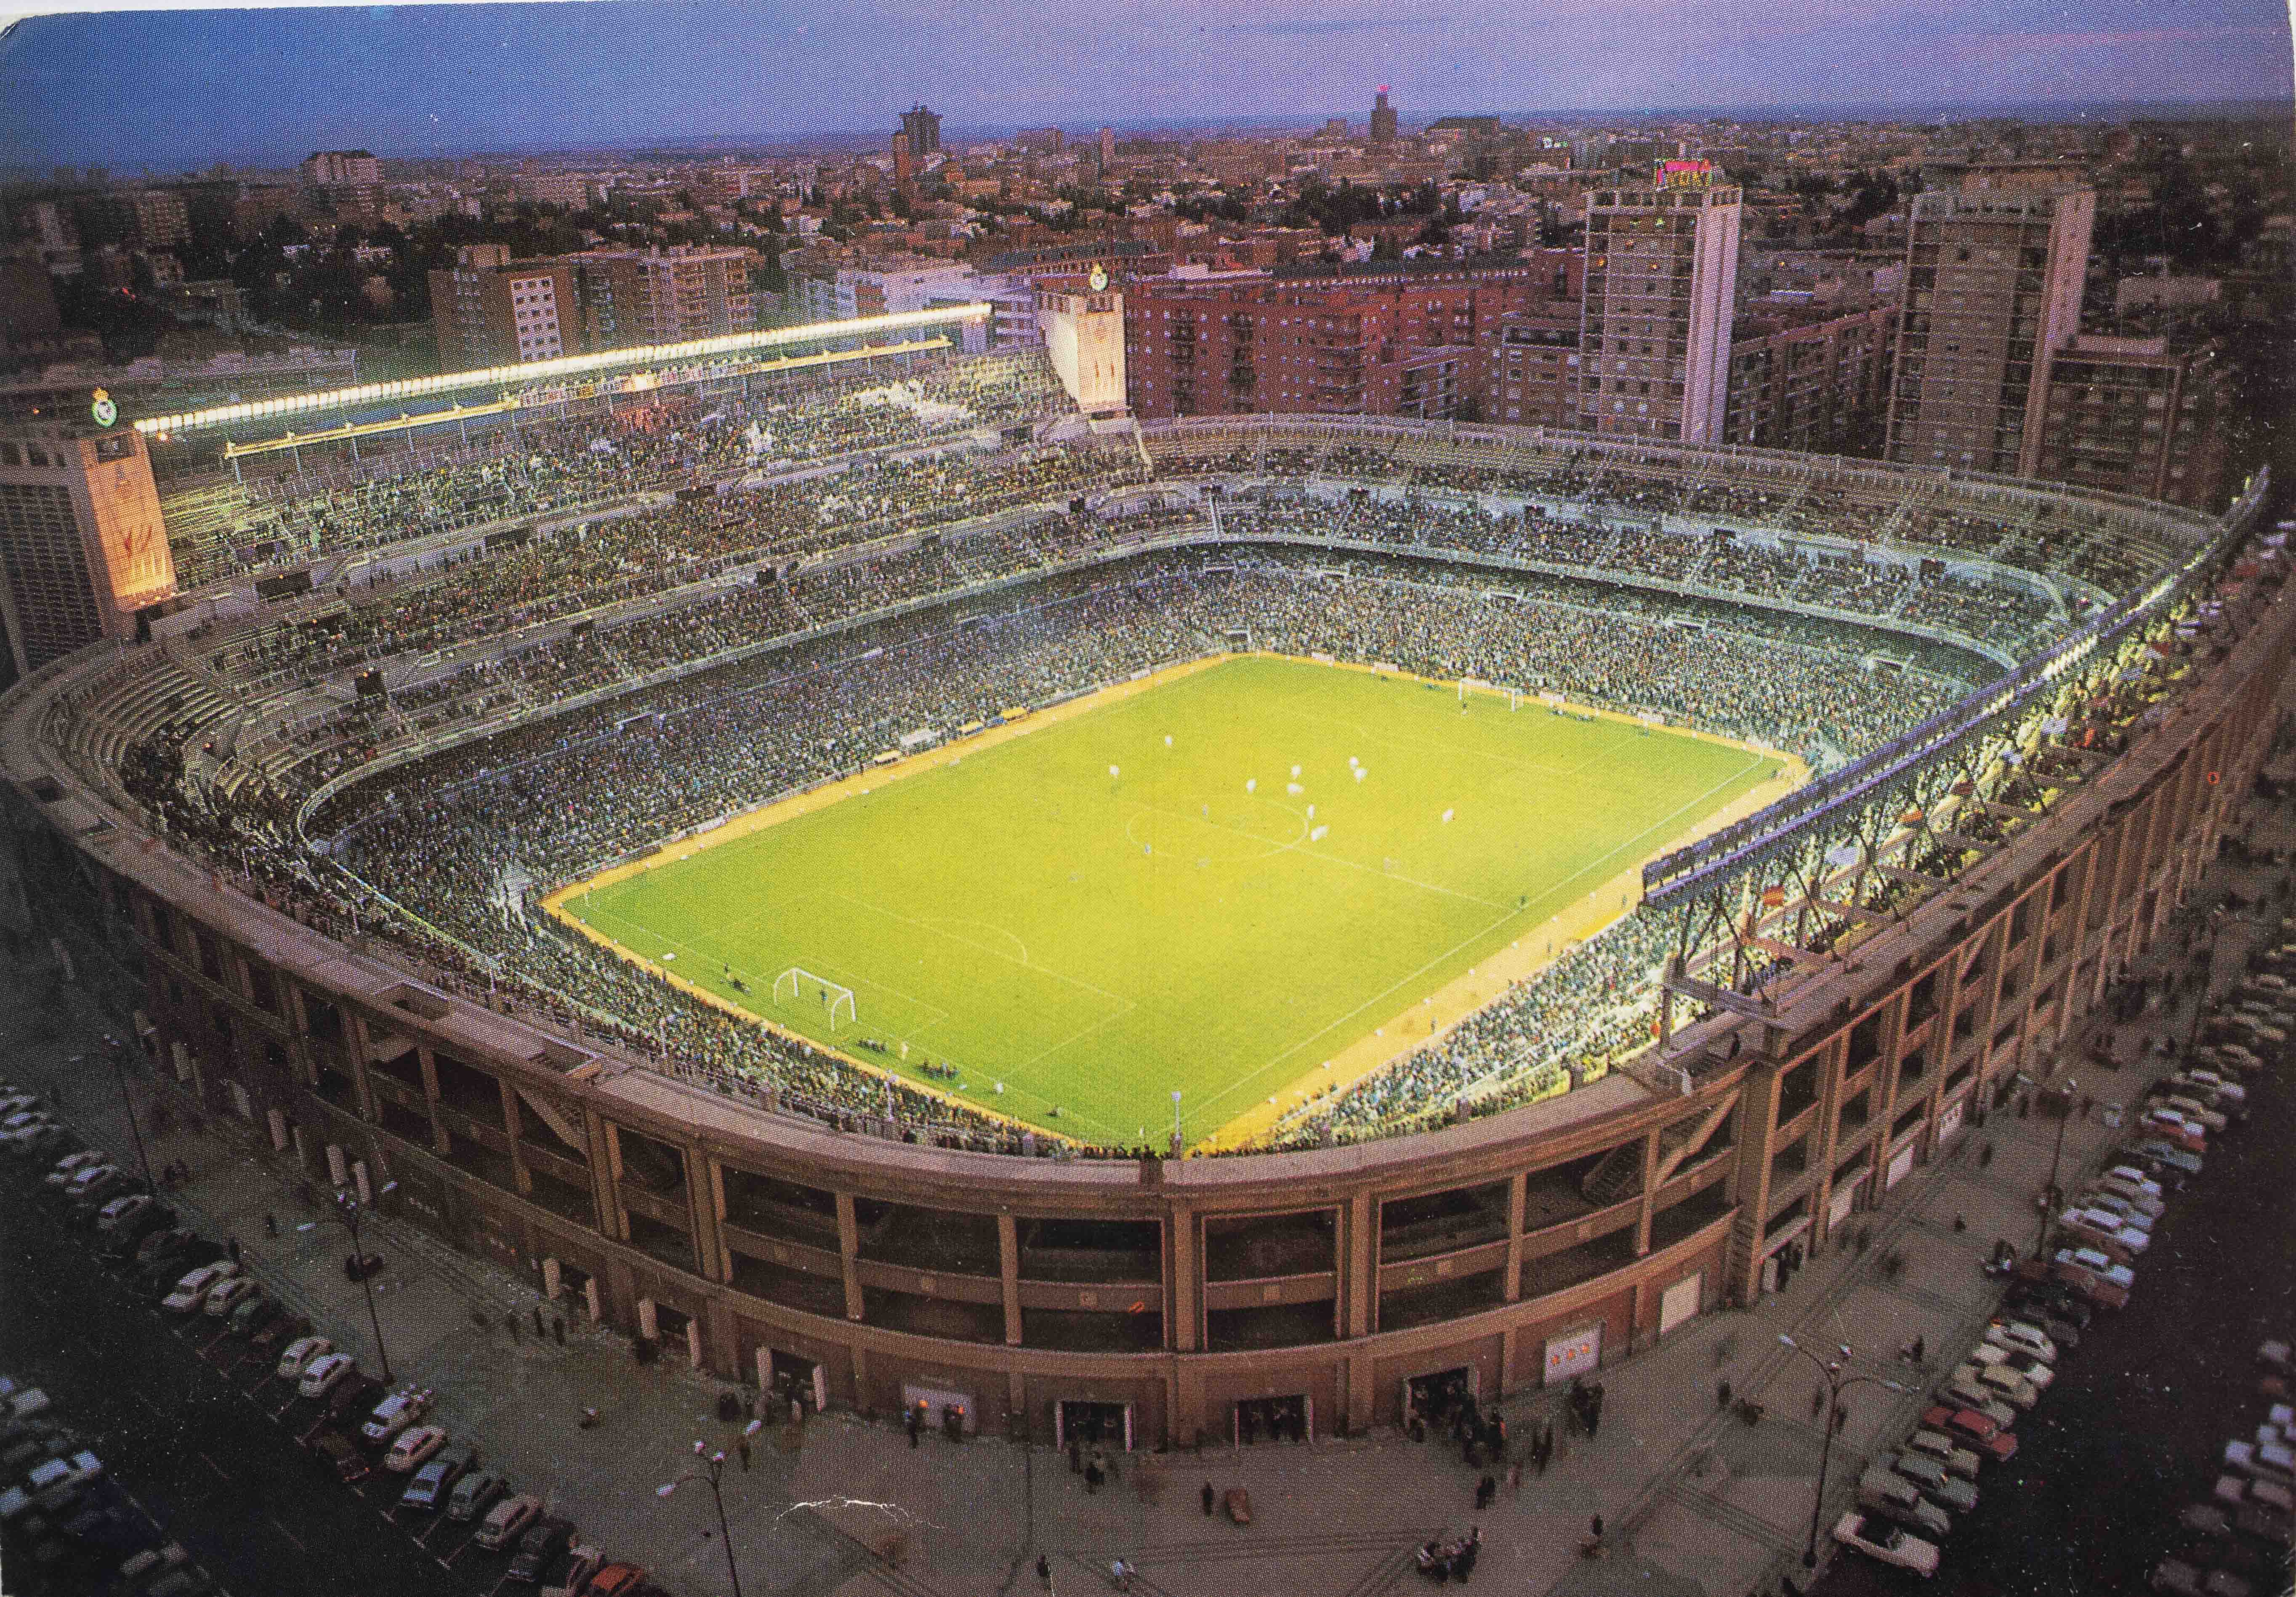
832	857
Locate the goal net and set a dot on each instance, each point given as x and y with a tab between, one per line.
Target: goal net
803	984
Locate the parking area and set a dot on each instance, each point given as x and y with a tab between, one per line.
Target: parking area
2119	1482
207	1451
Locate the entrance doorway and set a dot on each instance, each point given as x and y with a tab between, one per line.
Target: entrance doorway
788	1376
1273	1420
1092	1424
1430	1400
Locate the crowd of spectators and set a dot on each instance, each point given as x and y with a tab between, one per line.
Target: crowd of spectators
558	462
458	847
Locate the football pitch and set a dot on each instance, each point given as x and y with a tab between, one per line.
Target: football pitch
1211	886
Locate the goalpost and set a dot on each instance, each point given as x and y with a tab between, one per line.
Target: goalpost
834	997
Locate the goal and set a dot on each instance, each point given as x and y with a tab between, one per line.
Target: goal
802	982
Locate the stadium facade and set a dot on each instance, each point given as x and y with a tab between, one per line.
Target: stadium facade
1795	1079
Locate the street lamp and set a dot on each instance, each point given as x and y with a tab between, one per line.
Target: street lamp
2049	1196
711	1471
135	1128
1836	1384
1175	1122
347	1210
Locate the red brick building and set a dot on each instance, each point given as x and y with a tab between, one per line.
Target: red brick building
1811	380
1404	342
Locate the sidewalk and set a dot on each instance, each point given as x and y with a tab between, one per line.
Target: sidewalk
1695	1500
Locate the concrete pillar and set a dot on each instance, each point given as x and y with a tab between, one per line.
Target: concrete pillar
591	1300
1008	1255
278	1124
649	1319
848	1249
1650	1193
693	1342
553	1276
1186	1308
359	1179
1511	1278
339	1170
1359	1267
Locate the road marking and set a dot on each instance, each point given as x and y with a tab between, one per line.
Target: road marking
211	1464
289	1534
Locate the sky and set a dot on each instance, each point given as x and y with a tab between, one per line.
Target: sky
169	91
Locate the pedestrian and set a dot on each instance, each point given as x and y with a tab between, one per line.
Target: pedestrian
270	1224
1045	1570
1092	1478
1076	1456
540	1328
1985	1156
1486	1490
1721	1394
231	1244
1594	1528
1921	1349
510	1324
1960	1224
742	1446
1514	1478
916	1422
1595	1411
558	1329
1208	1497
1816	1402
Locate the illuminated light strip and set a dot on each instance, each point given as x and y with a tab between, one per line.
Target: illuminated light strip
462	412
570	365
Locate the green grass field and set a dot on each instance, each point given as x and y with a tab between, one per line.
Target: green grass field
1231	910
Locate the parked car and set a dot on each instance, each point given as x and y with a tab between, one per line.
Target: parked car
1939	1484
353	1397
253	1313
542	1541
135	1215
348	1463
301	1354
2212	1120
227	1294
475	1494
96	1185
615	1580
18	1103
413	1448
2134	1185
2124	1210
42	1138
507	1520
2095	1229
275	1334
192	1290
325	1372
1886	1543
1965	1391
1986	1357
164	1250
2265	1460
1982	1431
2173	1128
2094	1276
2166	1156
70	1165
435	1482
2205	1083
2020	1337
394	1413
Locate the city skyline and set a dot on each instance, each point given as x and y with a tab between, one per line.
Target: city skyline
260	88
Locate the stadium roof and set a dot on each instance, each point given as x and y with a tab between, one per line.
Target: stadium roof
572	366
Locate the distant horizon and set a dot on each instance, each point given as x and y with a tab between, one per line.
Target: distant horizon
2225	108
175	90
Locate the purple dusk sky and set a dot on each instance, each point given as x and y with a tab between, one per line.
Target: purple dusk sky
172	90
